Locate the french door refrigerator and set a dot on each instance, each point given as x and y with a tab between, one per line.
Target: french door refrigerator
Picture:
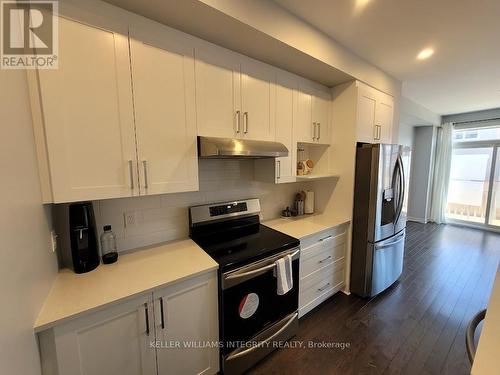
379	217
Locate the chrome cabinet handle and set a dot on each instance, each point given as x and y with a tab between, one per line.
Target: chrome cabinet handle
131	173
375	130
319	131
378	132
323	287
145	167
238	119
162	314
245	122
325	238
146	311
324	260
278	166
314	130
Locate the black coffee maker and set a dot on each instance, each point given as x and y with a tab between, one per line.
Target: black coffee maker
77	244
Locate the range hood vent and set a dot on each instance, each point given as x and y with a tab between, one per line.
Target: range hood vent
224	148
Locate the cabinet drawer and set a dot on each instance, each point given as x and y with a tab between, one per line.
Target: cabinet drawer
322	253
321	258
317	237
325	281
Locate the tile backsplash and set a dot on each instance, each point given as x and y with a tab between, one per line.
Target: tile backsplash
143	221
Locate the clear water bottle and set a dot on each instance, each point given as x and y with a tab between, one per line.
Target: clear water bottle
108	245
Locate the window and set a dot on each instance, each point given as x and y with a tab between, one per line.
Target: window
475	176
483	134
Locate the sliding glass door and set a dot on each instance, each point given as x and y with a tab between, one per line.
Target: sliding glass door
473	193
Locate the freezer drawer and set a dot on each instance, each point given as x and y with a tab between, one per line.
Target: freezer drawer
387	262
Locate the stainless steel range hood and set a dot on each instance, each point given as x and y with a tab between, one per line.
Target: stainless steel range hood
223	148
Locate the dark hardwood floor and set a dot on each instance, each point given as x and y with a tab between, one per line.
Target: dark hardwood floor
415	327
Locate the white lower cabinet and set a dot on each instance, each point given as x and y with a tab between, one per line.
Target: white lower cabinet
322	267
187	314
168	331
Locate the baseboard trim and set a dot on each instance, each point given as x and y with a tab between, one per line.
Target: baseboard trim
417	219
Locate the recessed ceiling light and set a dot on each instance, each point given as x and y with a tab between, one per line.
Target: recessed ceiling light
425	53
360	5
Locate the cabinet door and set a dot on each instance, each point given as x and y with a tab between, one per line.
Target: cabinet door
112	341
165	113
366	131
186	313
384	118
258	100
217	92
321	116
88	115
304	129
285	96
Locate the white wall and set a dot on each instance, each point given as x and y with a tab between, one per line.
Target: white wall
165	217
413	114
27	267
272	19
422	165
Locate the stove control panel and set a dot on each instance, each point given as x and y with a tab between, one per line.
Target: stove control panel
225	209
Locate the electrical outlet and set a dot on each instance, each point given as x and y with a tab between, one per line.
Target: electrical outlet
53	241
130	219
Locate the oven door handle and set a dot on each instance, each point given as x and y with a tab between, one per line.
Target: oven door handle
250	273
256	271
264	342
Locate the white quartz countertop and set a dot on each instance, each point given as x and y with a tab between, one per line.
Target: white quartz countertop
487	358
134	273
303	226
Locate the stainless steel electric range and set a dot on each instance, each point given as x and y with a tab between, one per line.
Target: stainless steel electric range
253	318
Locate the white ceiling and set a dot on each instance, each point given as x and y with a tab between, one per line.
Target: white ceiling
464	73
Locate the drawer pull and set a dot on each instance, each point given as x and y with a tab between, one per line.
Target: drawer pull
324	260
325	238
323	287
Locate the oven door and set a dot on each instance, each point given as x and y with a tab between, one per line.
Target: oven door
250	303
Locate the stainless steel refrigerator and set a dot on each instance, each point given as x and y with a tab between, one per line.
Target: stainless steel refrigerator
379	217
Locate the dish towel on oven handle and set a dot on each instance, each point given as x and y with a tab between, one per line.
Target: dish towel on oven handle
283	273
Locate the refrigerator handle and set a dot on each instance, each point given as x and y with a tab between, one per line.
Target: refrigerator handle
401	189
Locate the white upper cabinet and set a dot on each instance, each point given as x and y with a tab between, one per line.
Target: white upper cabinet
367	132
87	115
313	115
235	95
258	97
321	102
218	101
165	113
375	115
121	122
304	129
286	90
384	117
